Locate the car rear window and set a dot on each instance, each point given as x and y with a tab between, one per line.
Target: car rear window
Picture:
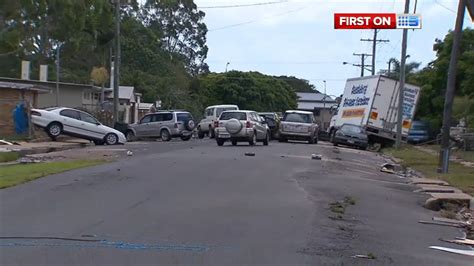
184	117
297	118
236	115
219	110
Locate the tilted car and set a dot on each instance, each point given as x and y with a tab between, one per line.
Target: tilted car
75	123
298	125
211	114
351	135
163	124
273	122
237	126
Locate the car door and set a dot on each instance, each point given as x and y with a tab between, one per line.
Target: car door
71	122
154	130
90	126
258	125
141	128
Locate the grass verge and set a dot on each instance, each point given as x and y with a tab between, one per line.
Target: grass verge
9	156
21	173
459	176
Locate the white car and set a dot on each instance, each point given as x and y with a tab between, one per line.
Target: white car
211	114
75	123
241	125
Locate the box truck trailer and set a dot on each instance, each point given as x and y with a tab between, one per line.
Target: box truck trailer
372	102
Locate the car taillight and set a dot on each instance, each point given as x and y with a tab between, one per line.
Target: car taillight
216	123
248	124
35	113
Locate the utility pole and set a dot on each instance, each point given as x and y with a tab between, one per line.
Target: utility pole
451	86
398	141
117	60
58	52
362	64
374	48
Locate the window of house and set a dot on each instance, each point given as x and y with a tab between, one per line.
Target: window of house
86	95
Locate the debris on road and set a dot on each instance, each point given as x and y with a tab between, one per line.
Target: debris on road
440	223
455	251
316	156
250	154
447	220
388	168
25	160
4	142
336	150
468	242
369	256
129	153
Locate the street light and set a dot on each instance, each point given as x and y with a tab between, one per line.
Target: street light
226	65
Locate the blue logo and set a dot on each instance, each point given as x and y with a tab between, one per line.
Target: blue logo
408	21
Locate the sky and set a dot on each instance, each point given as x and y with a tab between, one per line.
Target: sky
297	37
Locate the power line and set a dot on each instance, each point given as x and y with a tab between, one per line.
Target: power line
244	5
255	20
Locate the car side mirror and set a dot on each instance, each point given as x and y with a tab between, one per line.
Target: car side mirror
98	123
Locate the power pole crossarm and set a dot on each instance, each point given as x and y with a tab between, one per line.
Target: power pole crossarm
374	48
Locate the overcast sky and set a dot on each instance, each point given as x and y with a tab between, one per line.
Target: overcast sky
297	37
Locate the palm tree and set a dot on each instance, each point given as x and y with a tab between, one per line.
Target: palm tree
394	71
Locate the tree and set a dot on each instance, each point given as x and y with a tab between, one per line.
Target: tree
181	30
410	68
433	79
299	85
248	90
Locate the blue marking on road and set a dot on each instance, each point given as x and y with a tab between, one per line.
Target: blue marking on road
110	244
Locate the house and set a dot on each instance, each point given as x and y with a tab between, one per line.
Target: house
16	100
82	96
318	103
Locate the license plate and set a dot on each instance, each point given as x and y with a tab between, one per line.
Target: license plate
224	136
350	141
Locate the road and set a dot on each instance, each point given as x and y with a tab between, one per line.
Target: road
194	203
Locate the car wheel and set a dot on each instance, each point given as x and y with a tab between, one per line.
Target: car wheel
130	136
220	142
234	143
111	139
267	139
316	141
253	139
334	143
185	138
165	135
98	142
311	140
200	133
54	130
212	134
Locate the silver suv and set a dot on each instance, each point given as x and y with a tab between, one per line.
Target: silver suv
164	125
298	125
238	126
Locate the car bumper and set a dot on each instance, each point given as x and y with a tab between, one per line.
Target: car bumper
121	138
351	141
295	135
417	139
245	133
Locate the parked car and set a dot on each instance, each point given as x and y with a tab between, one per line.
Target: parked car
211	114
351	135
163	124
298	125
236	126
75	123
273	122
419	132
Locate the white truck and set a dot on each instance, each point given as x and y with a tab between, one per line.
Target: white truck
372	102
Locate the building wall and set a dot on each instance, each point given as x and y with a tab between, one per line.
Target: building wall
69	97
9	98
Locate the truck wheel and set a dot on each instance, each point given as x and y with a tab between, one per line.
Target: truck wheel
211	133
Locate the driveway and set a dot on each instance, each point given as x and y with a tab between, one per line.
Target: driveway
193	203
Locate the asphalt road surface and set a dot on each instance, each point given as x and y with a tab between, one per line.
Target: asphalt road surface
194	203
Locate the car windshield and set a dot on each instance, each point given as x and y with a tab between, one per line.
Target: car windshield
272	116
219	110
352	129
236	115
297	118
184	117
